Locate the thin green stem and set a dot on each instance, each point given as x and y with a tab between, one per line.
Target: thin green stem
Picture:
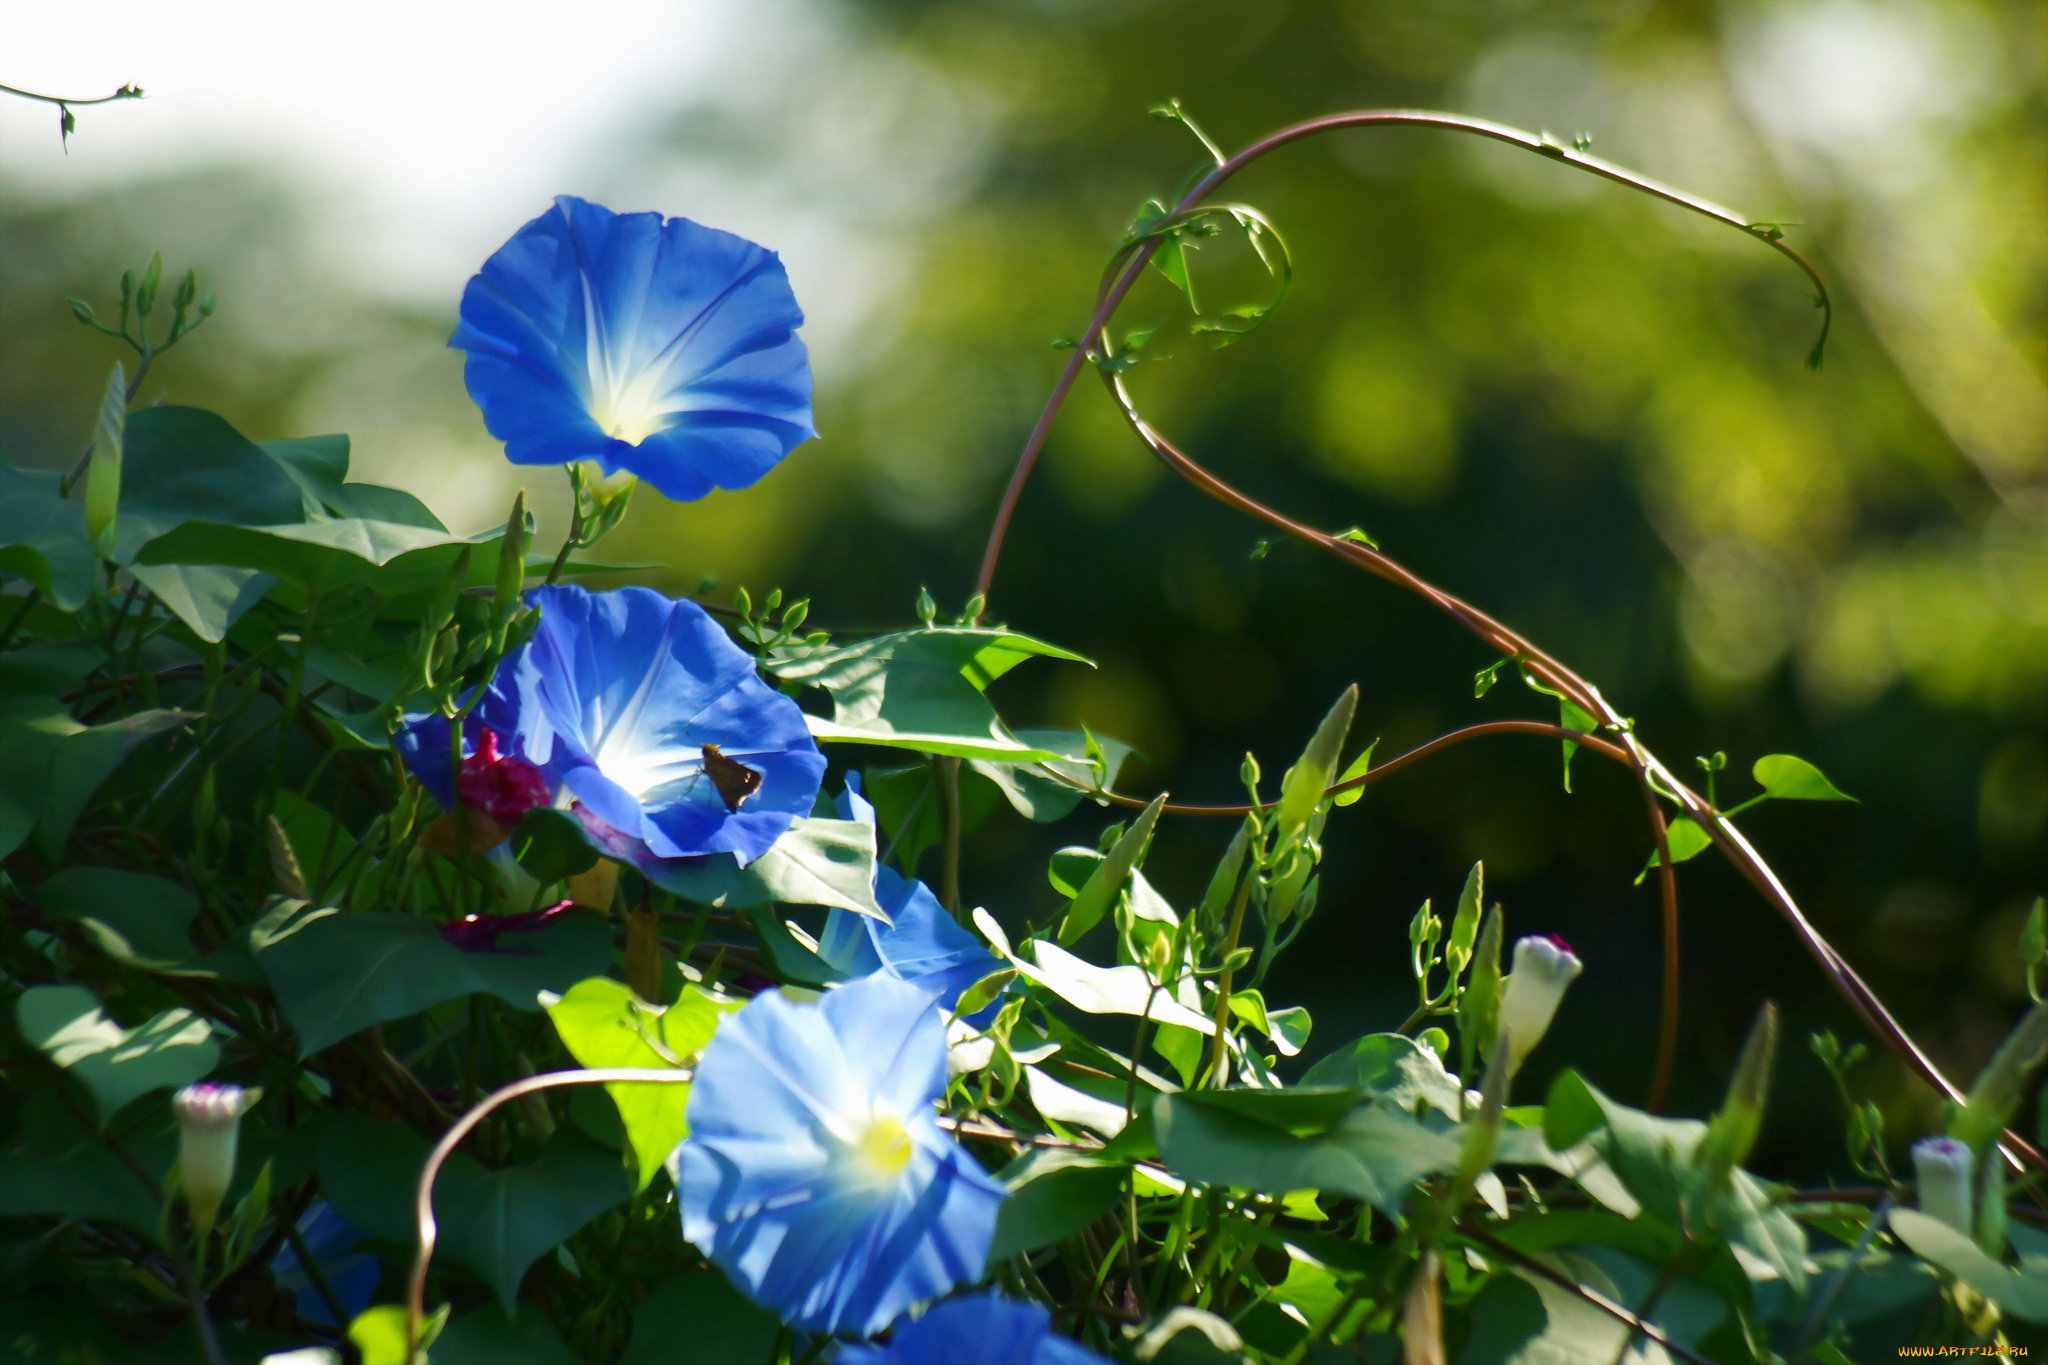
1219	1054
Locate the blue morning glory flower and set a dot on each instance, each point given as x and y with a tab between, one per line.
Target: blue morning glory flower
922	943
330	1240
643	717
985	1329
816	1174
660	348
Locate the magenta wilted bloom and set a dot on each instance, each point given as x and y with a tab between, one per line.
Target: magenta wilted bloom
1544	967
209	1129
1941	1177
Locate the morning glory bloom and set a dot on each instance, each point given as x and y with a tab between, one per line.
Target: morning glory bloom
663	349
330	1240
816	1174
985	1329
922	943
618	703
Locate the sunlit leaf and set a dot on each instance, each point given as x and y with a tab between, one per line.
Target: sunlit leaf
1687	841
921	689
116	1065
1789	778
603	1024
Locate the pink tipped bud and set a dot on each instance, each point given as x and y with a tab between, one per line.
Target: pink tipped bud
1544	967
1941	1171
209	1125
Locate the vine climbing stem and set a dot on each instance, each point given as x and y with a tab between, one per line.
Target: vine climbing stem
426	1229
1653	776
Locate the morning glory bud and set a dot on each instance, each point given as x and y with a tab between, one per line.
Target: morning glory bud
511	560
209	1123
1941	1173
1544	966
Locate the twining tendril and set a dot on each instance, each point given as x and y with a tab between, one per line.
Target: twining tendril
1654	777
67	122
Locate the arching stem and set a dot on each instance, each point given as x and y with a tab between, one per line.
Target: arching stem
423	1191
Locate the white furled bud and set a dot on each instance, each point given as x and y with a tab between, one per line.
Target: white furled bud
209	1126
1941	1172
1544	966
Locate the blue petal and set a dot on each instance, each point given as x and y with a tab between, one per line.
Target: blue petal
772	1190
922	943
982	1329
329	1239
614	699
666	349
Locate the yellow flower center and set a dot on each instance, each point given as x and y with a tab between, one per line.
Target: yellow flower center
884	1147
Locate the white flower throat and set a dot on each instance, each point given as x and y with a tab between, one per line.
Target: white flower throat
629	400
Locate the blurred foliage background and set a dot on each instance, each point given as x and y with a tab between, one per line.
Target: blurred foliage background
1580	409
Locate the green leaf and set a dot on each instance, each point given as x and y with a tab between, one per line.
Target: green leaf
920	689
1571	716
1358	767
1037	796
116	1065
1100	891
42	537
551	846
1393	1068
604	1024
1687	841
497	1223
488	1337
1794	779
336	973
817	862
1485	678
1288	1028
378	1334
1100	990
209	598
317	464
1300	1111
983	993
1053	1195
1465	924
1301	790
703	1309
2022	1292
187	464
328	555
909	813
131	917
1070	868
1090	1102
54	765
49	668
1375	1153
1655	1160
58	1167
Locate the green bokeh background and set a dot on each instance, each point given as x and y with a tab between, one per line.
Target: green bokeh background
1582	410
